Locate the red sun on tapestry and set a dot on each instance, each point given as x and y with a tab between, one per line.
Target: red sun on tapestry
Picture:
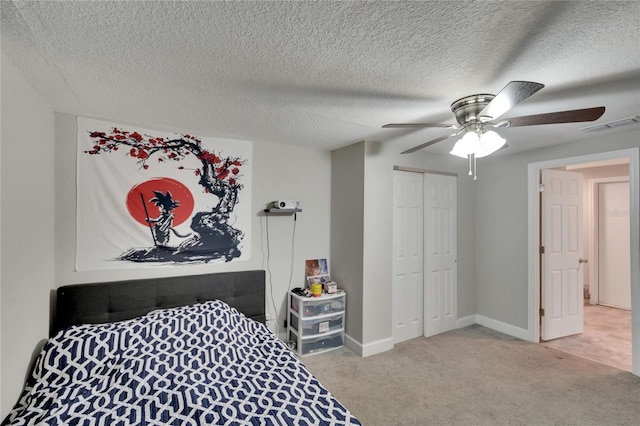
143	200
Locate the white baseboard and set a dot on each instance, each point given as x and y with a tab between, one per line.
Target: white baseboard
369	348
502	327
466	321
387	344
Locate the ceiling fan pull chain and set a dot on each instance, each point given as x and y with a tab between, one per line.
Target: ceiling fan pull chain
472	166
475	169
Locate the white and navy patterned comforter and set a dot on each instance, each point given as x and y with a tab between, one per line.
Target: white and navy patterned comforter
204	364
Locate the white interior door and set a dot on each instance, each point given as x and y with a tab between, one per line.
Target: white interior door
562	271
440	254
407	255
614	251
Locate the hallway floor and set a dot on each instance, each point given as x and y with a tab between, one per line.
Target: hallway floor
606	337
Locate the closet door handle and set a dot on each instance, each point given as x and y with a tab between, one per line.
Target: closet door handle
581	260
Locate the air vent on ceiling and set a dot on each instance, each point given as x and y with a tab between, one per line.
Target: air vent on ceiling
613	124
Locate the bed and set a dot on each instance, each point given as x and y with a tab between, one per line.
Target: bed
171	351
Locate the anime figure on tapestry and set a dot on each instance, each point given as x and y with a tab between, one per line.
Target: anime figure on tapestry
164	223
211	236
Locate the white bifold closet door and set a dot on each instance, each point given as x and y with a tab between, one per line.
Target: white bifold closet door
440	254
424	254
407	255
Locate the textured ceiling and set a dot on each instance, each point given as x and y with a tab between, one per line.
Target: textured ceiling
325	74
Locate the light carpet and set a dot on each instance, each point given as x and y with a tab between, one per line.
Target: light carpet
476	376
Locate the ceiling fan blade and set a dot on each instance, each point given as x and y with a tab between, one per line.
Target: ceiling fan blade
513	93
412	125
426	144
573	116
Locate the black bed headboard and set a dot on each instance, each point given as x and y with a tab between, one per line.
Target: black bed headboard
120	300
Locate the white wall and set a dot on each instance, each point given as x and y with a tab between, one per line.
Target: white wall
502	227
279	172
1	401
27	228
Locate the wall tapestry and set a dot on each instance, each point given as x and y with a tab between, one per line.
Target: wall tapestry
148	198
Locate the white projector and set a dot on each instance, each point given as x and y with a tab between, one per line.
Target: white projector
285	204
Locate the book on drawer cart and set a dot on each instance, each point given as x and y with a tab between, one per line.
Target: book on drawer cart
316	324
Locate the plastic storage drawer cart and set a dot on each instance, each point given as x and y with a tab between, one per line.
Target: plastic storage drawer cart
316	324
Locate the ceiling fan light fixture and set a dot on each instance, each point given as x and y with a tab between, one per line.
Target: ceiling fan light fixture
476	144
490	142
466	145
480	145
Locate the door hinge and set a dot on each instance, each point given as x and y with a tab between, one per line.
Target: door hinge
541	187
541	249
541	312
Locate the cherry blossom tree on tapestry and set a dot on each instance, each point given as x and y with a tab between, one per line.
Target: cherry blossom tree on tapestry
212	237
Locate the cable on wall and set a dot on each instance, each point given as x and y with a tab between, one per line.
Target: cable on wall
293	245
273	302
268	266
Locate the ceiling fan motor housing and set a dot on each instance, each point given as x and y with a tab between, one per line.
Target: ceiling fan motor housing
467	109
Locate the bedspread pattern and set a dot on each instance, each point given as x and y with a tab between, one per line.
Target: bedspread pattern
196	365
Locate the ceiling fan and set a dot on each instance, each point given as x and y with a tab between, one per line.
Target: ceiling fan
477	114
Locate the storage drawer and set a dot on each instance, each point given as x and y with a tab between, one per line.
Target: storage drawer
309	307
313	326
320	344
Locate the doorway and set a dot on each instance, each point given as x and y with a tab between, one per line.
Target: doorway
606	325
630	156
424	286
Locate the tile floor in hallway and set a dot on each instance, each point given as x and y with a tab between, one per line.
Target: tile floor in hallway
606	337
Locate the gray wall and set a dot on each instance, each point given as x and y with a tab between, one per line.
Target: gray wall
502	228
347	215
492	230
366	264
380	161
27	228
